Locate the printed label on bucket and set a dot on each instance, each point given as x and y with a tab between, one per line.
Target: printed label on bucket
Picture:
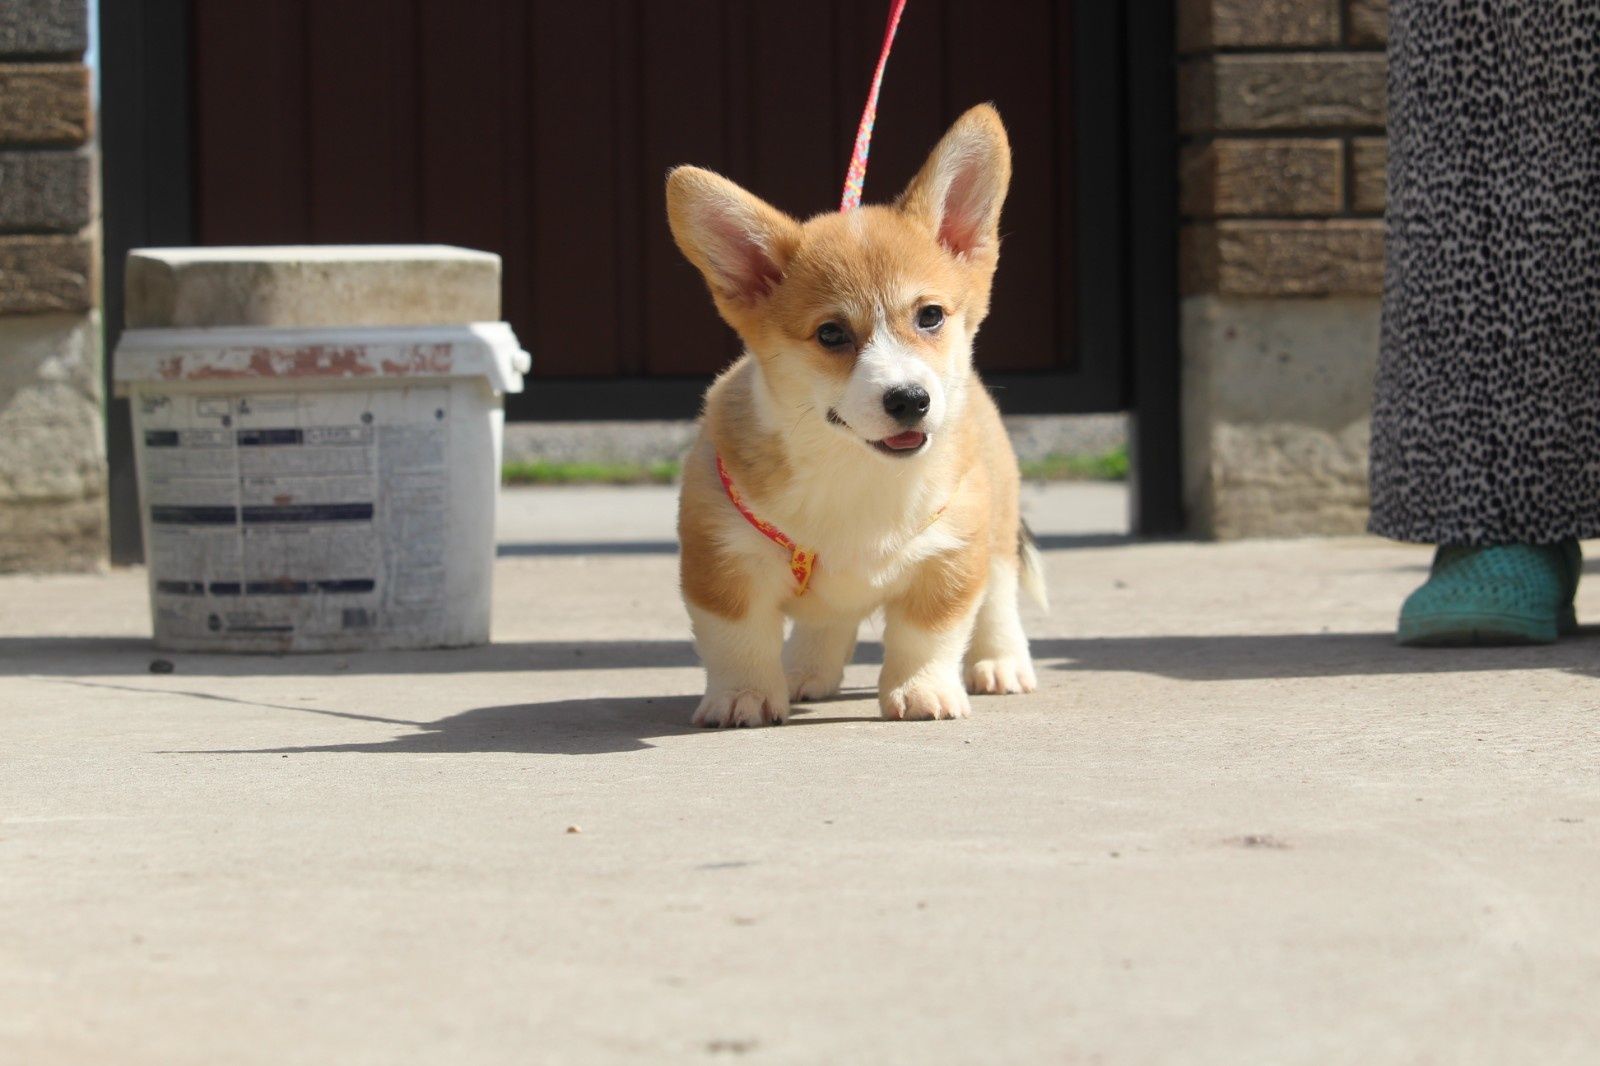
279	517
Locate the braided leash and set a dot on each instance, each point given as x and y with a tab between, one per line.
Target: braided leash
856	177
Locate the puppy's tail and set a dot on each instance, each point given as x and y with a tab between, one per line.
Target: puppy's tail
1031	566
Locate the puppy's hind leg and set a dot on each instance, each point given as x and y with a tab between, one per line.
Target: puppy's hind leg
998	660
816	655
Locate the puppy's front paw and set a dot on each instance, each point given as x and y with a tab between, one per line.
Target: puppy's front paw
924	698
1000	675
740	707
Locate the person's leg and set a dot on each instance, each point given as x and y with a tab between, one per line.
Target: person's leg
1486	421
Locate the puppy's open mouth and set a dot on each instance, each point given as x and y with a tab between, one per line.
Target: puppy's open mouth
901	445
910	442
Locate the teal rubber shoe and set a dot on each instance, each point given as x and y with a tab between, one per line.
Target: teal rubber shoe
1505	594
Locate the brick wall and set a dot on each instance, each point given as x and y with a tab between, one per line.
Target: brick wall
52	476
1281	107
1281	110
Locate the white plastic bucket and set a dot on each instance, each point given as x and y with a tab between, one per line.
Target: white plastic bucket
319	489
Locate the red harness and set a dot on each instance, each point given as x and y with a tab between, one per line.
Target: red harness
801	560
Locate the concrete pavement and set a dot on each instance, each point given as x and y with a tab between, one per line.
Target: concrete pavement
1237	824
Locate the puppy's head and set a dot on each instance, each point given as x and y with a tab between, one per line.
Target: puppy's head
865	318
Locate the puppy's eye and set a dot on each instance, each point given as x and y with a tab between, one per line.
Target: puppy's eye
930	317
832	335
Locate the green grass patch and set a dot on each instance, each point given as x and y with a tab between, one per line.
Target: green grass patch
543	473
1107	466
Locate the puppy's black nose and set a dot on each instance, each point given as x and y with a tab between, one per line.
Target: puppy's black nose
906	404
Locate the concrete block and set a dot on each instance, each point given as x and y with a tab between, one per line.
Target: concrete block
53	536
1266	92
318	285
1366	22
50	399
1204	25
1277	400
1262	177
44	27
39	274
1369	177
44	191
44	103
1288	481
52	464
1259	258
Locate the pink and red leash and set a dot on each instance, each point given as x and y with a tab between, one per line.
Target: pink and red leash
803	561
856	176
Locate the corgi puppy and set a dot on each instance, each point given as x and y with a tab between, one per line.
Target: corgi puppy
851	460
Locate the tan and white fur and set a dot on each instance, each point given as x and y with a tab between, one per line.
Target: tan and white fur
820	441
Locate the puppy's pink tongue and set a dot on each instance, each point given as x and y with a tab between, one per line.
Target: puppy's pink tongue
911	438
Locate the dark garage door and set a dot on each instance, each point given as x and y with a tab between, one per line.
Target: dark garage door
542	131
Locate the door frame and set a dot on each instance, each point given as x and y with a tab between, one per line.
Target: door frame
146	196
1126	232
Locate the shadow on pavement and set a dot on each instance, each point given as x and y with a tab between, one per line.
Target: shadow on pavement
522	549
561	727
1248	657
1070	541
125	656
1193	658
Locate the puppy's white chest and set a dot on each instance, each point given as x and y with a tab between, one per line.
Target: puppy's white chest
844	590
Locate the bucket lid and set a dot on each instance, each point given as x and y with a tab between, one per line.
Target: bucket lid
487	350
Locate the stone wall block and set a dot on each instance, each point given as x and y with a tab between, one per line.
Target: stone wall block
1204	25
1367	22
1281	92
1262	177
44	103
44	27
45	274
52	461
44	191
1259	258
1369	179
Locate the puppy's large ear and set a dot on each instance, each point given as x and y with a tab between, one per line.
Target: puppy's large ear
740	243
961	187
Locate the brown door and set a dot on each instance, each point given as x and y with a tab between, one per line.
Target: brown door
542	130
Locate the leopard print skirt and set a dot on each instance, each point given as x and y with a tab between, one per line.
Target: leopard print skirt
1486	424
